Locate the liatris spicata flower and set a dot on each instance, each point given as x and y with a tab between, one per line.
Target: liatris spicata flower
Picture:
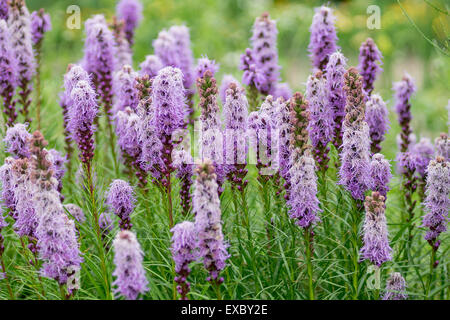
4	9
395	287
321	124
129	272
380	174
282	90
7	185
442	145
40	24
323	37
123	53
437	201
125	89
424	152
150	66
184	251
403	92
225	84
369	64
252	77
235	113
303	203
184	52
204	64
334	73
121	201
299	120
377	119
355	153
183	162
208	223
165	48
131	12
19	23
16	140
285	129
376	247
8	74
76	212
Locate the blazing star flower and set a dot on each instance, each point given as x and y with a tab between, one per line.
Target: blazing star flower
6	179
335	70
226	81
184	251
282	90
208	223
4	10
58	166
403	91
16	140
377	119
40	24
321	124
395	287
76	212
129	272
369	64
203	64
127	130
183	162
380	174
121	201
123	53
376	247
355	153
8	73
252	75
437	201
165	49
150	66
323	37
131	12
125	89
184	52
285	129
424	152
442	145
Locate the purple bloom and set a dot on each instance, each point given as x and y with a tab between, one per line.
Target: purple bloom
369	64
442	145
58	166
183	162
150	66
380	174
424	152
377	119
208	223
204	64
323	37
131	12
105	223
437	201
165	48
4	9
121	201
16	140
252	75
395	287
184	251
6	178
303	203
40	24
123	53
284	126
335	70
226	81
76	212
376	246
129	272
403	92
282	90
321	124
127	130
125	89
355	152
184	53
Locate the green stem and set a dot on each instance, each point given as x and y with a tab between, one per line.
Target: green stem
308	245
431	275
8	285
356	212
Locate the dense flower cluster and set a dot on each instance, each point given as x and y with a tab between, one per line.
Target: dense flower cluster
121	201
380	174
16	140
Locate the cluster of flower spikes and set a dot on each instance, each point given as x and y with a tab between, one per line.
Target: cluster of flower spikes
376	246
334	73
235	144
184	251
321	123
208	223
377	119
355	152
19	23
8	74
211	127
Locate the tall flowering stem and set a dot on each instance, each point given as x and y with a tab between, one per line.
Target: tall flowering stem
40	24
369	64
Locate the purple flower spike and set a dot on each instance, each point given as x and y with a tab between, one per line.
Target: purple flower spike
40	24
4	10
376	247
165	48
58	166
184	53
437	201
303	203
6	179
123	54
424	152
252	75
226	81
395	287
125	89
282	90
321	124
442	145
335	70
204	64
380	174
129	272
208	223
369	64
285	128
131	12
403	91
323	37
121	201
184	251
183	162
150	66
16	140
377	119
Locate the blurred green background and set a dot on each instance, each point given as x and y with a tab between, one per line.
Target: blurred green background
222	28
